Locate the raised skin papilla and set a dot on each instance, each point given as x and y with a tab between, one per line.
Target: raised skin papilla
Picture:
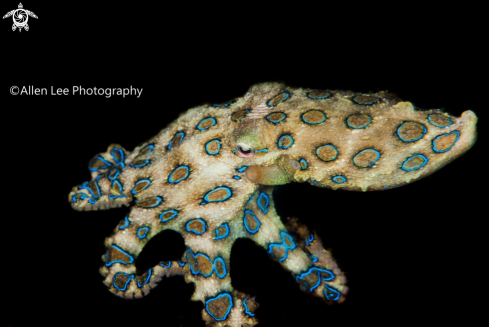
210	176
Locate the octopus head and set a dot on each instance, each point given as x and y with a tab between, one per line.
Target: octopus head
265	166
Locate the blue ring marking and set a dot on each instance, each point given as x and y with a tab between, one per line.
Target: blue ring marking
318	271
262	150
145	232
141	165
254	217
305	121
249	200
146	281
309	240
163	220
425	160
246	308
276	121
378	156
118	171
310	271
274	105
223	265
171	141
330	145
140	181
236	177
193	230
225	225
284	234
108	164
98	186
313	181
93	200
181	179
313	258
154	205
339	179
115	158
318	98
224	105
217	297
213	153
434	146
118	183
181	263
192	267
331	275
336	294
366	103
108	264
360	127
265	208
85	187
432	123
203	120
285	147
83	196
304	164
399	135
168	265
127	222
151	146
242	169
233	115
216	189
283	244
127	282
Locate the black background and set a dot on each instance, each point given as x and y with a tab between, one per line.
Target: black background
412	254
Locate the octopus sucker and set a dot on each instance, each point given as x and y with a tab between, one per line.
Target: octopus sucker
210	176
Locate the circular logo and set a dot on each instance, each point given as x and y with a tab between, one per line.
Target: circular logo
20	17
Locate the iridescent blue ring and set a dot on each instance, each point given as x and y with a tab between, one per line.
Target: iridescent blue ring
203	120
288	146
425	161
339	179
438	151
217	297
284	99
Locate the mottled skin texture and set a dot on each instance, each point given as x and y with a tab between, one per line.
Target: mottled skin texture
210	176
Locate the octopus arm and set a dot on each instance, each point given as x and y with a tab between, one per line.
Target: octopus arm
123	248
313	268
107	188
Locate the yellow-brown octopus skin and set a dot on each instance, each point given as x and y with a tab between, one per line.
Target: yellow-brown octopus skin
210	174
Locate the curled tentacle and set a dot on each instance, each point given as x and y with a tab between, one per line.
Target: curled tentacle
325	272
311	265
123	248
107	188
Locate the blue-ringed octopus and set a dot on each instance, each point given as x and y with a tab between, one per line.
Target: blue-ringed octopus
210	175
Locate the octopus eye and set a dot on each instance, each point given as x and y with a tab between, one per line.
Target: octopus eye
244	150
